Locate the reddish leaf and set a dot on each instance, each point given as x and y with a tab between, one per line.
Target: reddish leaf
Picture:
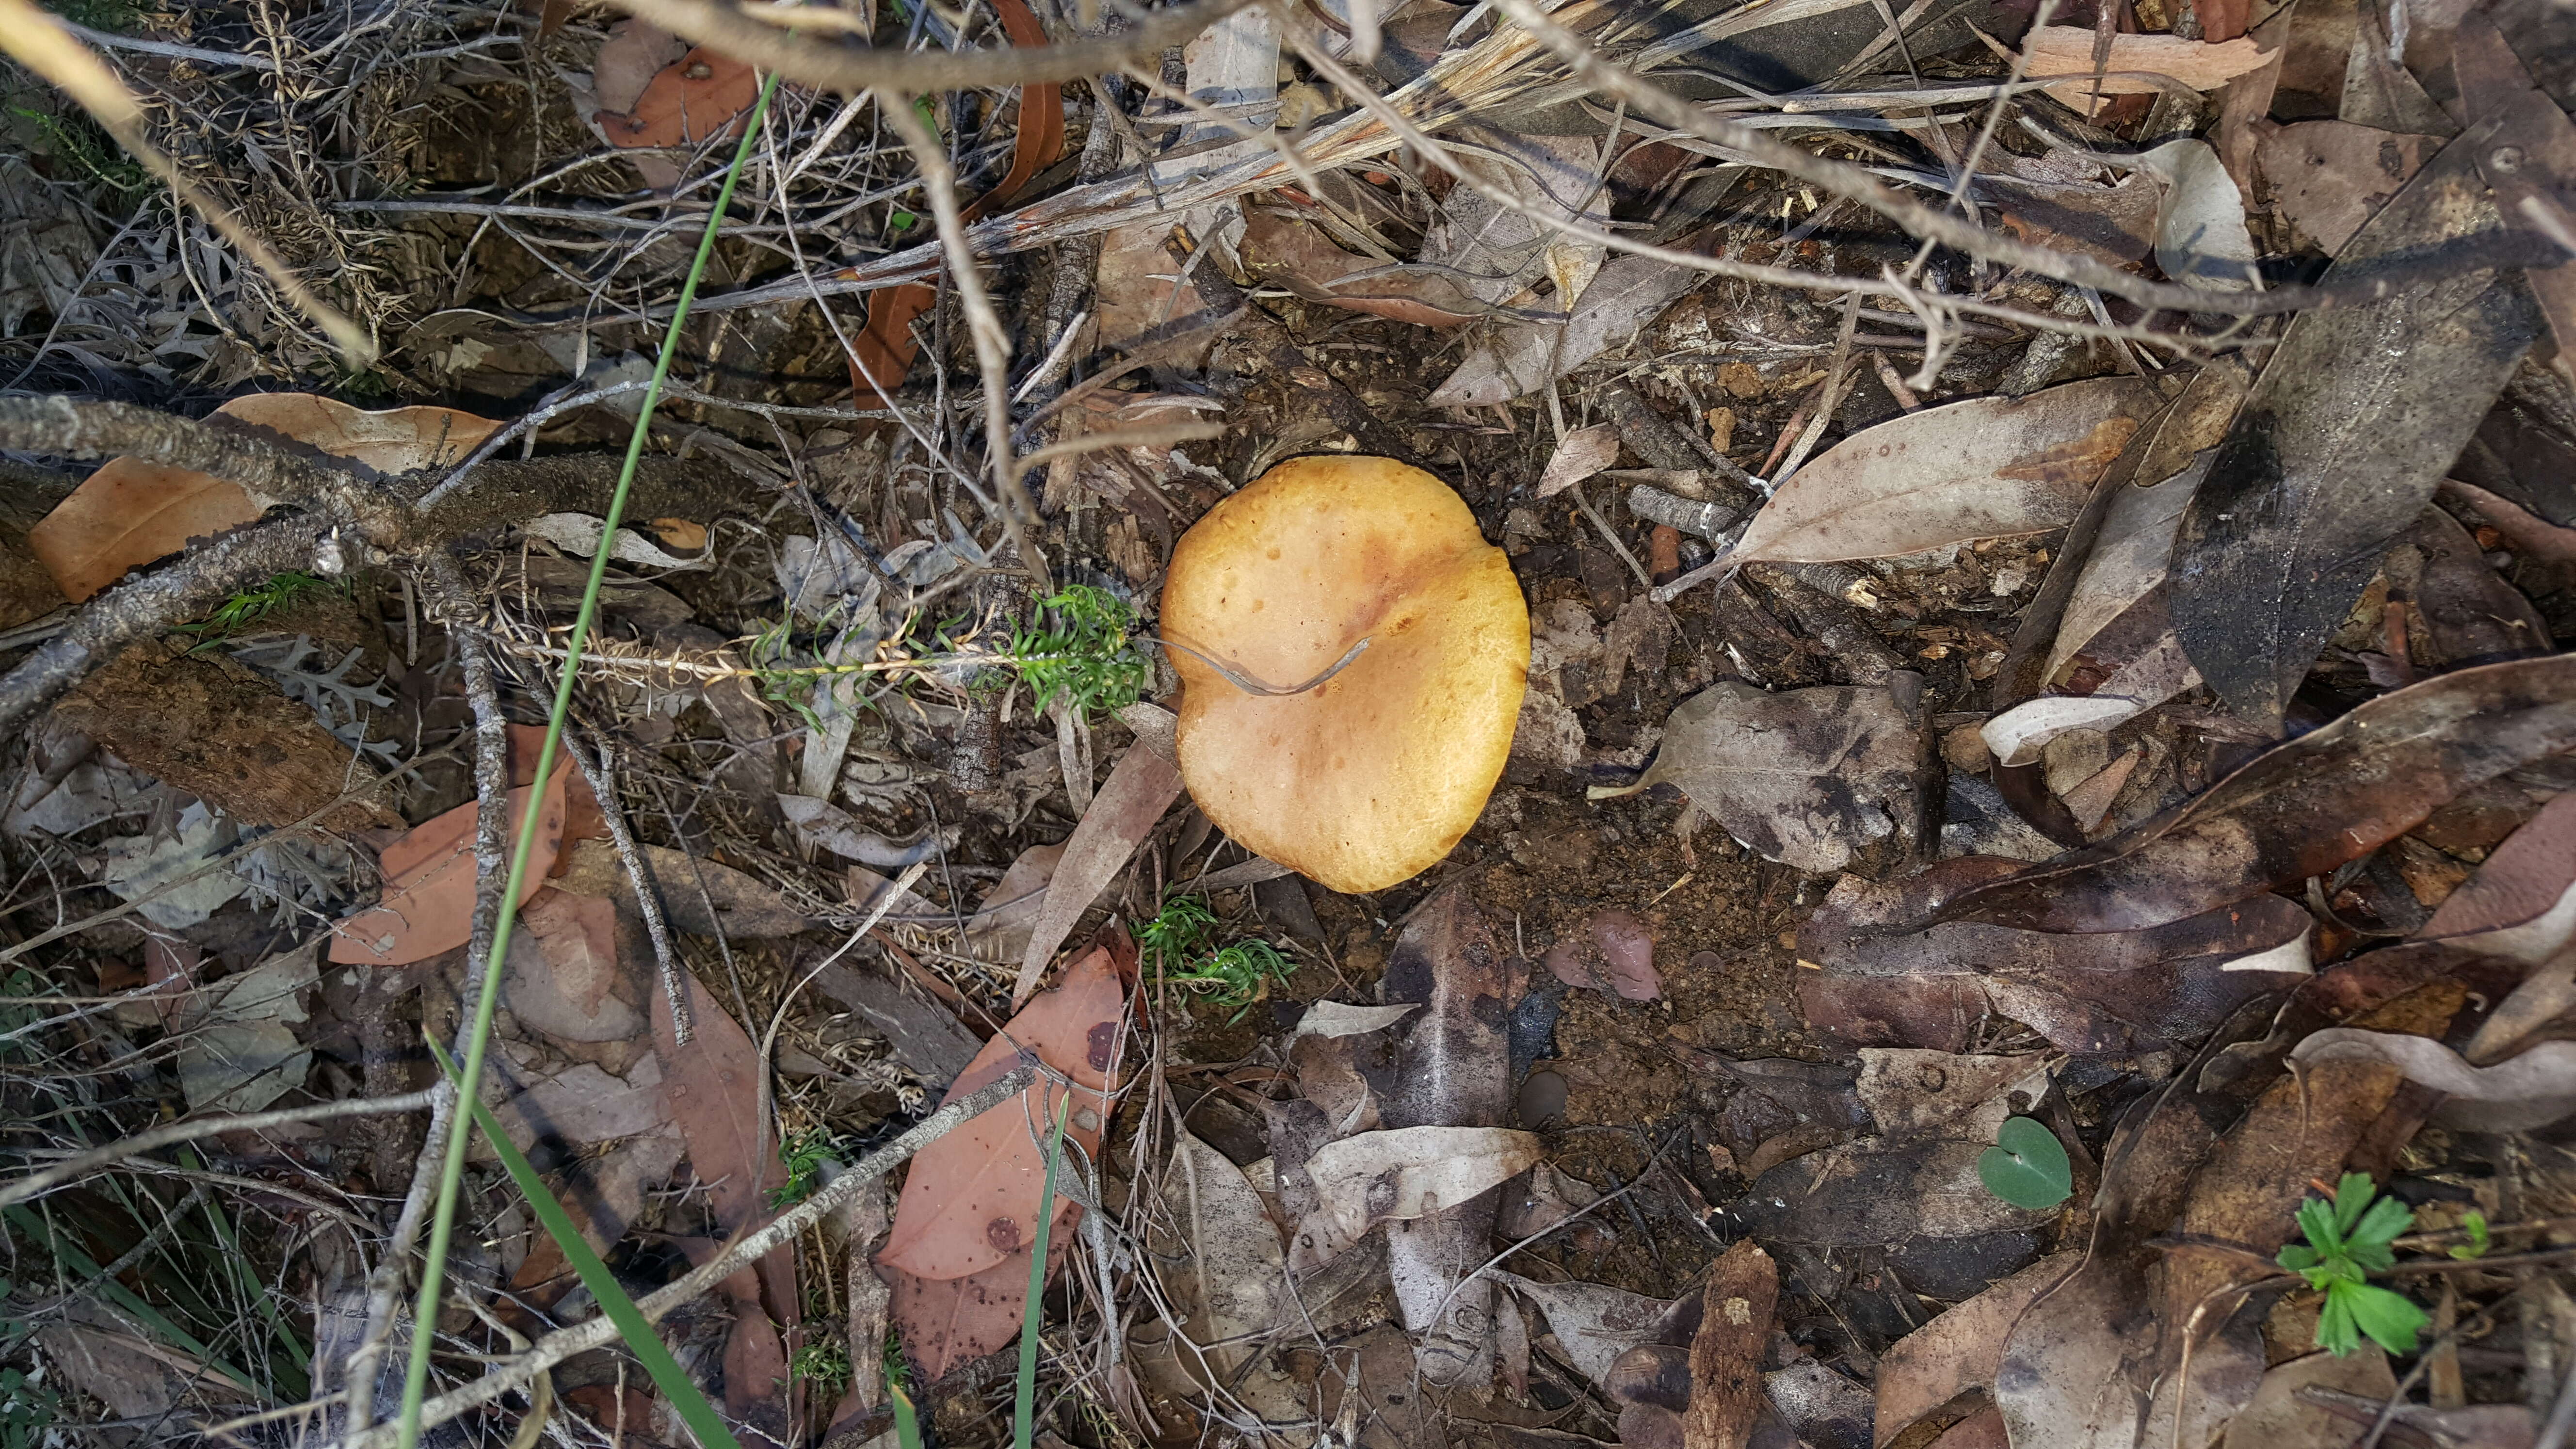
711	1089
130	512
428	904
949	1322
691	99
972	1199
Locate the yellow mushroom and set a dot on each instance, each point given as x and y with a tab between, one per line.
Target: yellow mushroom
1372	776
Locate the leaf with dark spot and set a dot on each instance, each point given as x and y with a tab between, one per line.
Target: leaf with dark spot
2342	441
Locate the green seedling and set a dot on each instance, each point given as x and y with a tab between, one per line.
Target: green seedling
2027	1166
2474	1223
1181	942
252	605
803	1154
27	1411
2348	1240
1080	647
826	1365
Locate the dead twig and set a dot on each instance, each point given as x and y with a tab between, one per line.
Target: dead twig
72	1169
554	1348
848	69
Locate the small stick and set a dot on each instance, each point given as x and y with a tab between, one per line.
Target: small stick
648	896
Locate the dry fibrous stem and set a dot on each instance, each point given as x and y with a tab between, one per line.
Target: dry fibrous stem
648	893
599	1332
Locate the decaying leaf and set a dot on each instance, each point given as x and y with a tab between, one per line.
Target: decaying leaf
2328	177
2341	443
701	897
692	99
2520	1093
240	1051
972	1198
1807	777
1578	456
1400	1174
1959	1350
130	513
2522	901
1910	1092
1300	257
949	1322
2301	808
1594	1323
1222	1261
1881	983
1142	785
428	906
2200	225
1613	951
1991	467
1453	1074
1627	293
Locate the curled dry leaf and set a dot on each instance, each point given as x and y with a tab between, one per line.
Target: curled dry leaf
1807	777
972	1198
428	905
1400	1174
130	512
1990	467
2300	808
1883	982
2518	1094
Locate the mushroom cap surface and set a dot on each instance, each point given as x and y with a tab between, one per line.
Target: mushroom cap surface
1371	777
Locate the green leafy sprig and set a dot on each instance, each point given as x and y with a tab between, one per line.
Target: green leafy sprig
2348	1240
1181	942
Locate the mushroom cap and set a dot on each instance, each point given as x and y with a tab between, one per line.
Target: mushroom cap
1371	777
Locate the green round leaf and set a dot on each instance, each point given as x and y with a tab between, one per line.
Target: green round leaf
2027	1167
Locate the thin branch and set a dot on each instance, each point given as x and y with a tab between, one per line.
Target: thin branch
130	611
648	894
259	460
599	1332
18	1190
992	339
851	69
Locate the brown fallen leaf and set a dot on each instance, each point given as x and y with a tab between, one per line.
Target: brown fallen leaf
1578	456
1807	777
2138	64
428	903
1958	1350
2328	177
1593	1323
2301	808
951	1322
1613	951
692	99
130	513
1726	1358
2519	1094
972	1198
1990	467
2529	160
1140	788
1298	256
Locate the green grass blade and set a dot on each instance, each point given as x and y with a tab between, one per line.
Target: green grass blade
451	1177
88	1271
907	1425
701	1417
1024	1397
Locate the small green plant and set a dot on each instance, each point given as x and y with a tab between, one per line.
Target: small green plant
2474	1223
803	1154
252	605
1181	941
2348	1240
84	149
27	1410
826	1365
1079	647
2027	1166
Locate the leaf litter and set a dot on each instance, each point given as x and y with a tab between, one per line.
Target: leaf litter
2135	734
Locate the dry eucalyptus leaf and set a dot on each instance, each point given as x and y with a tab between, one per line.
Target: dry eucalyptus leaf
1807	777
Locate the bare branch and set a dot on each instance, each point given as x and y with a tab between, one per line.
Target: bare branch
851	69
71	1169
128	612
